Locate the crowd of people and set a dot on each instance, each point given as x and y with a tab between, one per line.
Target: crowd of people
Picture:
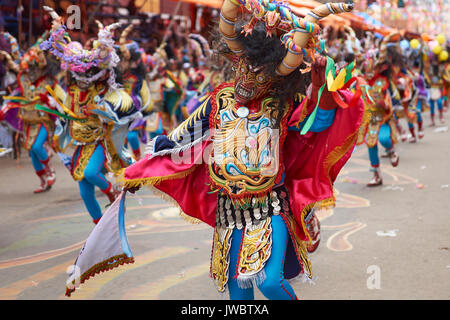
406	79
96	104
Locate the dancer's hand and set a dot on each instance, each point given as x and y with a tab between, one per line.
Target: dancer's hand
44	98
132	189
318	71
318	77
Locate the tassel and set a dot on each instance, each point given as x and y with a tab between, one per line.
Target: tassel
245	282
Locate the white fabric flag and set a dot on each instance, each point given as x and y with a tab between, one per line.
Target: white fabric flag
106	247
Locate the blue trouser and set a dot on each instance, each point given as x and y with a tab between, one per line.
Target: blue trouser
93	176
133	139
419	110
384	137
439	105
38	153
275	286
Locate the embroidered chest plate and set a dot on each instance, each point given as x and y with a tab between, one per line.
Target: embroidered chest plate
245	162
90	130
378	88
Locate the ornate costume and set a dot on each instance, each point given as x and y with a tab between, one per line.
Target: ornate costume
23	110
94	113
379	123
250	163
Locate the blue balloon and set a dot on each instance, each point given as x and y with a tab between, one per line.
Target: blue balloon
404	44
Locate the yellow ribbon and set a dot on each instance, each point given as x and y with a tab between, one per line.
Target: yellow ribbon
66	110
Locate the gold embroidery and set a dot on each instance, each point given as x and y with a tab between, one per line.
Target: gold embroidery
91	129
30	115
87	132
31	131
256	248
83	160
245	159
372	134
116	162
220	260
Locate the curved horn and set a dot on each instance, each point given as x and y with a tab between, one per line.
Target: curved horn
204	45
51	12
356	51
350	31
9	61
100	25
301	37
383	47
123	42
14	45
125	33
114	26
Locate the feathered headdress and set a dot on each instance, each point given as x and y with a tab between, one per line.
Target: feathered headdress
75	58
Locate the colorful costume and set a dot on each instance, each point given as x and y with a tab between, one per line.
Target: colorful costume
249	165
379	123
172	92
132	73
9	68
407	95
21	111
422	100
436	97
94	114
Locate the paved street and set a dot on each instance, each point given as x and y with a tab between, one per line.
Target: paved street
389	242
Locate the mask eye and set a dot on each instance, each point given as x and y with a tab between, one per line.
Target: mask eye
260	78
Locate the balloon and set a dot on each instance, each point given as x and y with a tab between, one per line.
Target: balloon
404	44
414	43
437	49
433	44
441	39
443	56
425	37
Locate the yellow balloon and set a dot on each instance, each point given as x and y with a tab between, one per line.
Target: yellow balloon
443	56
414	43
441	39
437	49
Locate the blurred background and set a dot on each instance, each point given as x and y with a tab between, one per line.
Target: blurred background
25	19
